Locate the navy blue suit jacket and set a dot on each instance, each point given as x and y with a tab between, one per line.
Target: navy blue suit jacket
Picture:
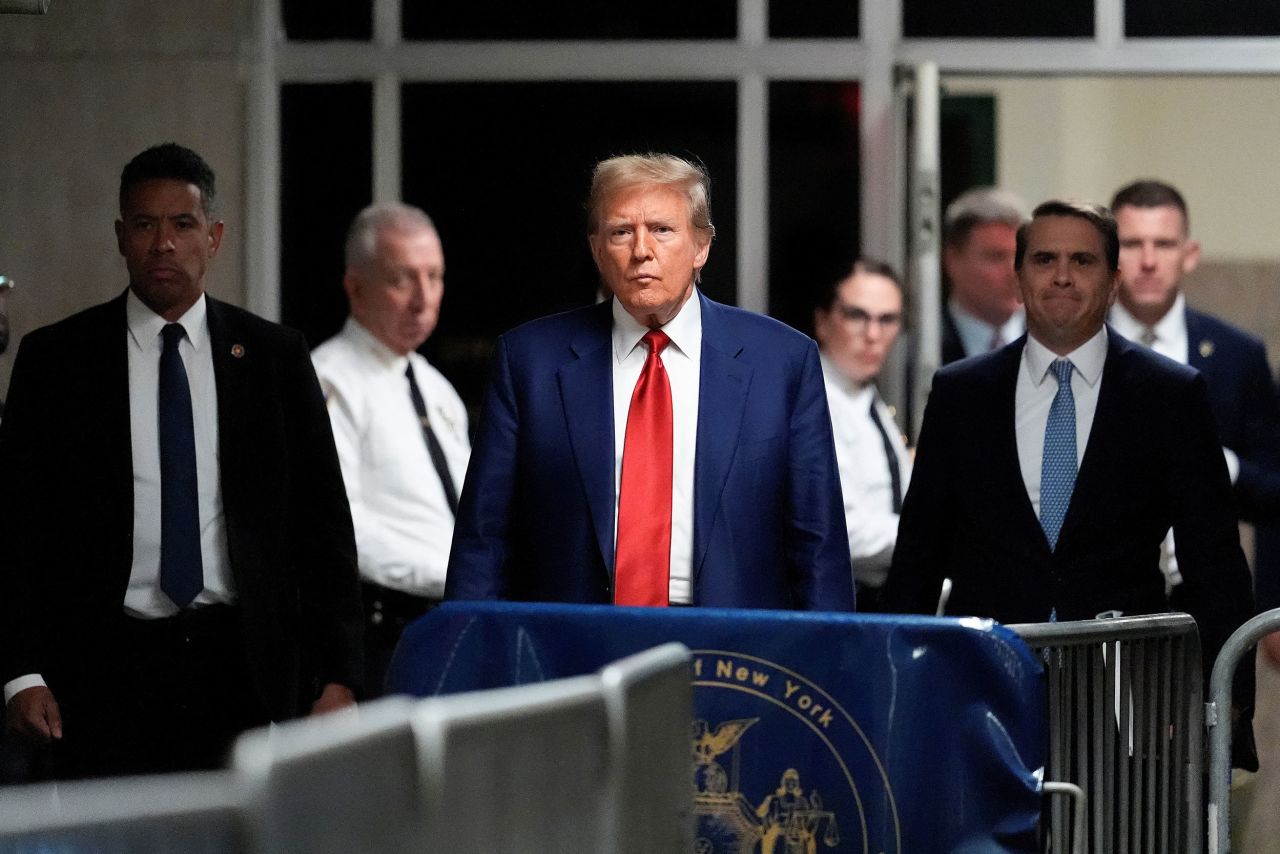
1153	461
1245	407
536	516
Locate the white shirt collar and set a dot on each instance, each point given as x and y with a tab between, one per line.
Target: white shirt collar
358	332
1087	359
1171	327
841	380
145	325
684	330
976	334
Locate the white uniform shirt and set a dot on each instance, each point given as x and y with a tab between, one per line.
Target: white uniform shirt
403	524
864	473
683	360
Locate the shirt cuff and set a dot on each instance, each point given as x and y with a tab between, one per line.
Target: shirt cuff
1233	464
22	683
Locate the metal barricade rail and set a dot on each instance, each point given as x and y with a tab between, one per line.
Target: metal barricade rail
1126	724
1218	721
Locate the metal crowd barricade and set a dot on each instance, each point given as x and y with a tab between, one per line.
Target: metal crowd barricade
1126	724
1218	721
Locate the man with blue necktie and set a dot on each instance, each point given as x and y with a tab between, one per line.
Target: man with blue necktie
176	555
1048	472
657	448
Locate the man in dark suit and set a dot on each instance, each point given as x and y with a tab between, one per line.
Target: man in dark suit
178	560
1156	252
1048	472
982	312
657	448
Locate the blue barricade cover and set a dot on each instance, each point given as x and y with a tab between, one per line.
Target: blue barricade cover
813	732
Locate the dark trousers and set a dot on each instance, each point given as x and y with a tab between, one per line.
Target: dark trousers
387	613
869	599
174	697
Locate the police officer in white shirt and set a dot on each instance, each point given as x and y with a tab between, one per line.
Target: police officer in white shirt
856	322
400	428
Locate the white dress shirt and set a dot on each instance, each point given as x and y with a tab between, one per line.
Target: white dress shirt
865	480
683	360
976	334
403	523
143	597
1171	341
1034	396
1170	330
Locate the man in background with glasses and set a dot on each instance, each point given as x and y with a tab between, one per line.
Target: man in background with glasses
856	323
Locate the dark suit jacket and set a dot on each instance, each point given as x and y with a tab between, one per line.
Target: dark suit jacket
1153	461
66	507
952	346
1247	410
1245	407
536	520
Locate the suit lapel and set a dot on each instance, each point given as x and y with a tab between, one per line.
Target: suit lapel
588	416
1102	456
1004	448
106	400
1200	346
232	360
722	398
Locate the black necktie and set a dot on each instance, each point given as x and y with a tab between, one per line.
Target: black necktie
433	444
895	474
181	567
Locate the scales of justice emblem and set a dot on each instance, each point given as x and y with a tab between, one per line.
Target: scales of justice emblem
785	821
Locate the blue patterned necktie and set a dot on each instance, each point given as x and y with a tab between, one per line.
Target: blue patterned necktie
181	566
1058	466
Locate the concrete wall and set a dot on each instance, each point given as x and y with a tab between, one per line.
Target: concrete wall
83	89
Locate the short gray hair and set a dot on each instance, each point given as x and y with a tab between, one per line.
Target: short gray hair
663	169
980	206
362	237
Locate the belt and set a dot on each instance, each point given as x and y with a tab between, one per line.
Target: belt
190	624
385	604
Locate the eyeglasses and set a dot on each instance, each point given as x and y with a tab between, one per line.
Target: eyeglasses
859	319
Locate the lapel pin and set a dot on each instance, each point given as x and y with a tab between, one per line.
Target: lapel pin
237	350
1206	348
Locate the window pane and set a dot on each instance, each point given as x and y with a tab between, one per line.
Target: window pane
823	19
997	19
1201	18
321	189
306	20
814	191
504	169
967	144
513	20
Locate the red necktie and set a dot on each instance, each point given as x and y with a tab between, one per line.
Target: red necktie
644	501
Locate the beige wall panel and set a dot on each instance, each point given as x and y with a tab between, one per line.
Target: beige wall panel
82	90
